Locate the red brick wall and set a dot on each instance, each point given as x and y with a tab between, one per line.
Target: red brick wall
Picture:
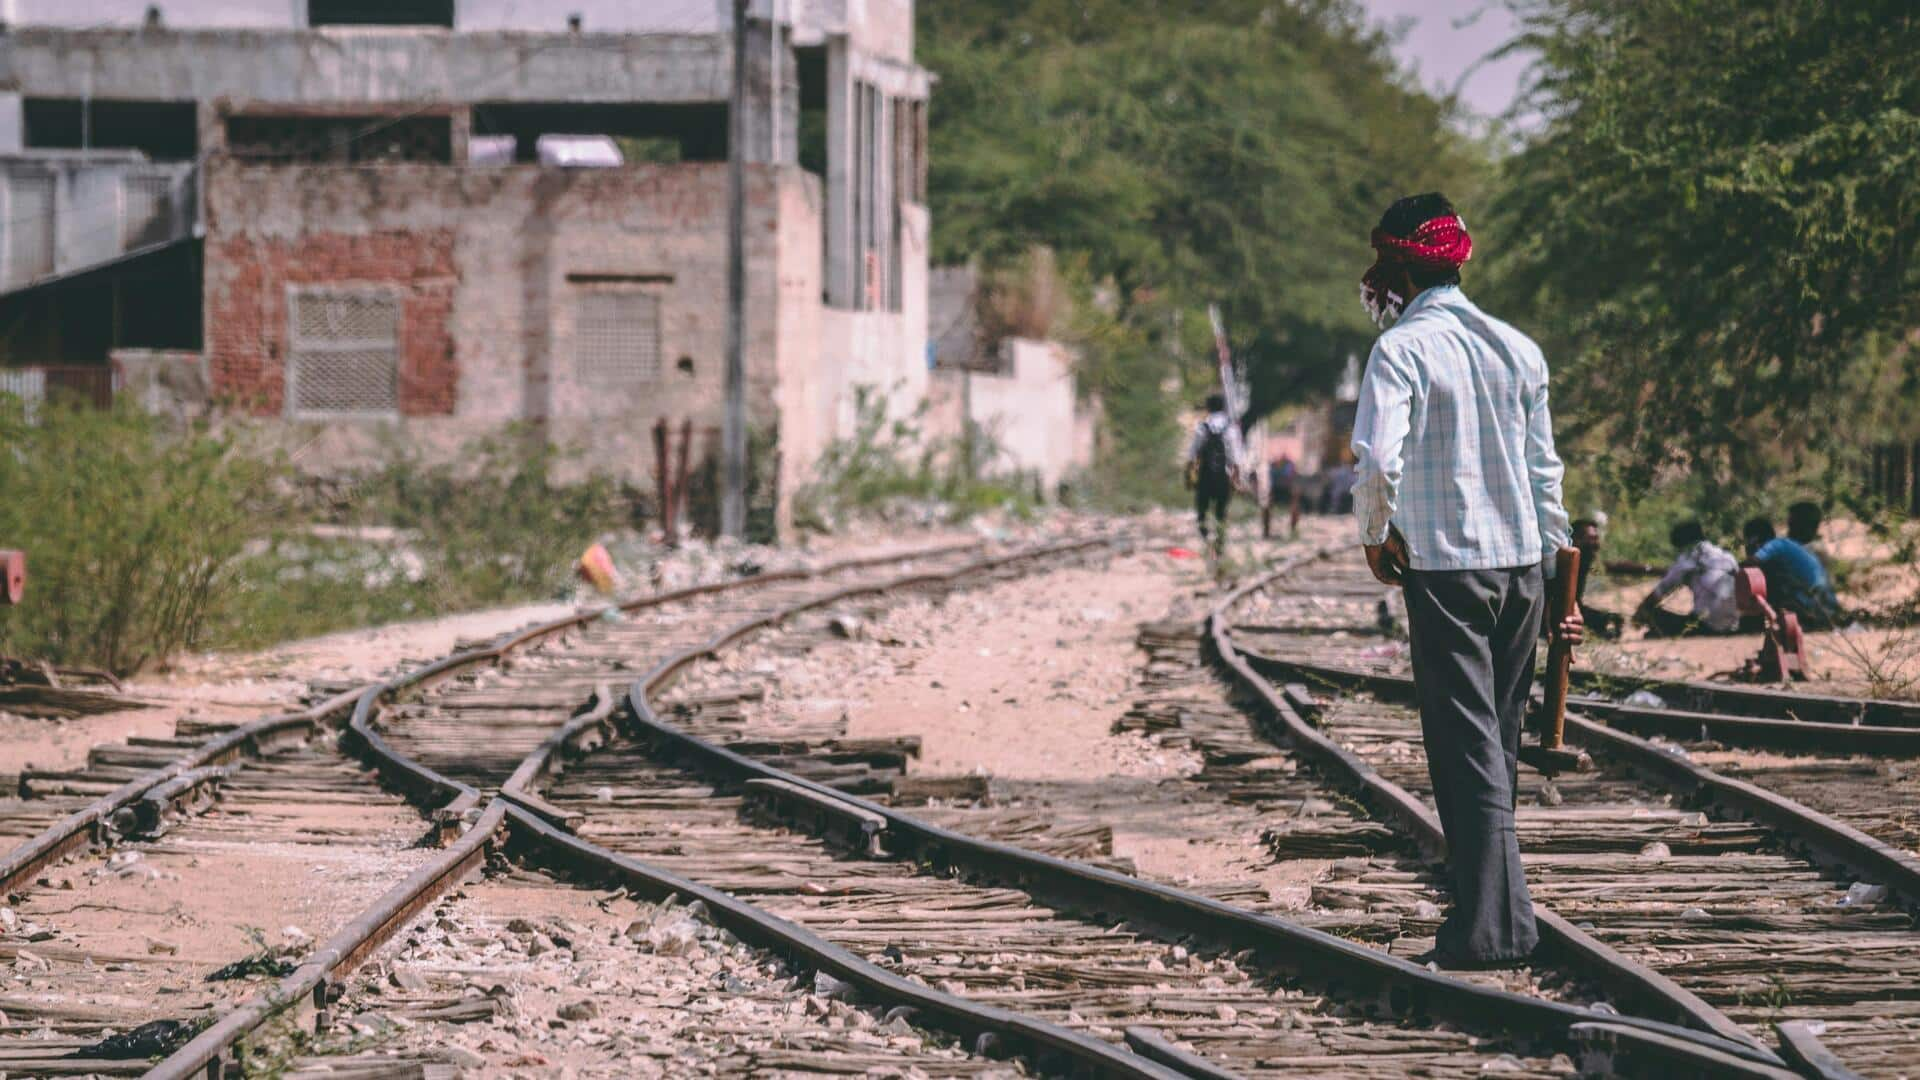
247	280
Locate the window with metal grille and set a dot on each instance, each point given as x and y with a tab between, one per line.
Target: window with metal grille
616	338
344	357
30	228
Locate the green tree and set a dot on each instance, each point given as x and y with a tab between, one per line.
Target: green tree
1716	225
1179	154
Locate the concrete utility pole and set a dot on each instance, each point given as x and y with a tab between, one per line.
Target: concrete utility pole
733	494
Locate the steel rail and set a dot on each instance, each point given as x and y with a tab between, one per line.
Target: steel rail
1284	718
1825	838
1752	732
518	812
988	1031
1350	970
140	801
1822	837
312	983
96	821
1758	733
1765	702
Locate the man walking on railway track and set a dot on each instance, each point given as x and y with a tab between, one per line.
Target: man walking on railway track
1458	500
1213	468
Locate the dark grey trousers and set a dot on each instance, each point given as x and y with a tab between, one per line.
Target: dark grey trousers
1474	633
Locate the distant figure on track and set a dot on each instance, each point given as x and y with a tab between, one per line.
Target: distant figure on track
1456	465
1213	468
1706	569
1282	476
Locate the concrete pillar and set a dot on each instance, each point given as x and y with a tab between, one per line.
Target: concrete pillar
460	133
842	273
13	123
212	123
773	95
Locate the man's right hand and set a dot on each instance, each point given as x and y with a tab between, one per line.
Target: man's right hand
1385	570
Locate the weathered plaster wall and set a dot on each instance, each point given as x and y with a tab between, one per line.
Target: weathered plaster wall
493	263
884	350
885	26
805	427
361	65
1032	412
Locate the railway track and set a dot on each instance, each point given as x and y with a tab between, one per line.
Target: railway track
1088	953
517	816
140	938
806	885
1686	855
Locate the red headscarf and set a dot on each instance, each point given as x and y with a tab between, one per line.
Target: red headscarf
1439	244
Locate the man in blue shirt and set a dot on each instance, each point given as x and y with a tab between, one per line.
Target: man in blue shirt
1457	467
1796	581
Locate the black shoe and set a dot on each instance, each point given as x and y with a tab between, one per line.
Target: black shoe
1447	961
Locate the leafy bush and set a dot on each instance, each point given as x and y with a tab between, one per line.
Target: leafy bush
144	540
494	526
131	532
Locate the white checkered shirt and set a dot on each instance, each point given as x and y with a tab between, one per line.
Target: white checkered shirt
1454	440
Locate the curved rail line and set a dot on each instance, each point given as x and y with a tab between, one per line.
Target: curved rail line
178	783
1831	842
535	829
1826	840
1390	984
187	784
519	813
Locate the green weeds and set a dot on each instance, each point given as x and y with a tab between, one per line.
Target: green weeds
145	540
890	468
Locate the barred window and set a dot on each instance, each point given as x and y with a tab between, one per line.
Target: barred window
344	357
30	227
616	338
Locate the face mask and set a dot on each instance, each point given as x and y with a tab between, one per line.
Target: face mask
1383	304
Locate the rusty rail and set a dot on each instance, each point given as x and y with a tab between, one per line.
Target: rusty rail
526	819
179	779
1827	839
987	1030
184	780
1353	971
1767	703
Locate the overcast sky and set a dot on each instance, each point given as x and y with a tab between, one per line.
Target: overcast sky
1448	38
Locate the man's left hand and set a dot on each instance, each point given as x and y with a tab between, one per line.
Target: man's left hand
1572	629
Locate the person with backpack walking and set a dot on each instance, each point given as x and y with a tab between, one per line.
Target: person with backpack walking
1213	468
1458	500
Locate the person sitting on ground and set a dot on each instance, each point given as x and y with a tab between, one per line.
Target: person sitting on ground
1586	537
1803	527
1213	468
1707	570
1796	580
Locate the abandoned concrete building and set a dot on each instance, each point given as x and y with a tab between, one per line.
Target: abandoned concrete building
443	216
